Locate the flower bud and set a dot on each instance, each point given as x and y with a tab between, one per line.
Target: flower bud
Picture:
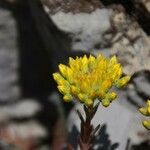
123	81
89	102
146	124
111	96
105	102
63	89
67	98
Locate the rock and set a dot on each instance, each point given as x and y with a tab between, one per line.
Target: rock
109	28
21	135
85	29
9	89
27	117
26	108
137	92
27	130
126	35
142	84
145	3
130	43
74	6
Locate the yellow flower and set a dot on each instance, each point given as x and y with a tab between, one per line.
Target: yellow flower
146	112
88	78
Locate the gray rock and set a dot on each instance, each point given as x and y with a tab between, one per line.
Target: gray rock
27	130
26	108
142	84
86	29
9	89
138	90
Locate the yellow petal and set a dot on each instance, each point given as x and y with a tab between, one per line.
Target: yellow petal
100	57
69	75
148	103
59	79
89	102
91	63
91	58
119	72
123	81
82	97
71	62
85	64
74	90
111	96
113	60
57	76
101	95
84	59
84	85
146	124
63	69
106	85
144	111
67	98
148	107
63	89
116	72
105	102
148	110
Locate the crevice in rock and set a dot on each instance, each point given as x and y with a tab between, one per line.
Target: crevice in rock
135	9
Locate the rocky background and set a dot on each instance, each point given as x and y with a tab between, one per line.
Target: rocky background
37	35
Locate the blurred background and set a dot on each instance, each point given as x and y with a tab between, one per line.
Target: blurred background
37	35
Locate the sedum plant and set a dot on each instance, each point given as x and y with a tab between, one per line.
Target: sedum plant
87	79
146	112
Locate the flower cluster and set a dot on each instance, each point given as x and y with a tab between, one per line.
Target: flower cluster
88	78
146	112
